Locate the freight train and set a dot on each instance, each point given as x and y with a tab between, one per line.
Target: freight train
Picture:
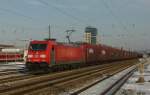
49	53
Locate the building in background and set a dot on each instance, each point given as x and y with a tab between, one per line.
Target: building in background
6	46
91	35
10	53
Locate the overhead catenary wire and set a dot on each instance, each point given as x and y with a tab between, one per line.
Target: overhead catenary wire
20	14
115	17
15	13
62	11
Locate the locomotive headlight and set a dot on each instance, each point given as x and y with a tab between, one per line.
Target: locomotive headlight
30	56
43	56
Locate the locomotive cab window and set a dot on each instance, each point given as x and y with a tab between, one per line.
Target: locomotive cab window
38	46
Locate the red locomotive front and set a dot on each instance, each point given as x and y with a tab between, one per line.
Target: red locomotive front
38	54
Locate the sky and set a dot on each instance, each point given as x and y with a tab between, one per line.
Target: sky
120	23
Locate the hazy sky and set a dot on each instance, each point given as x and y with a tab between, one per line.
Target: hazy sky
120	22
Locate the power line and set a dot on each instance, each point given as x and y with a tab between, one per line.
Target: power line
112	13
61	11
15	12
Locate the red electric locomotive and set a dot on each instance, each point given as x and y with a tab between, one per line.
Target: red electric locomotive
49	53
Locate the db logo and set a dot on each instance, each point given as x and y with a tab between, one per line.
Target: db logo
91	50
103	52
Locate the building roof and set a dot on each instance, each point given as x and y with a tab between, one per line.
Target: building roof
6	46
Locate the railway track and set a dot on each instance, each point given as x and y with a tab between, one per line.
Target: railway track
14	77
7	72
68	85
36	80
56	82
19	76
82	89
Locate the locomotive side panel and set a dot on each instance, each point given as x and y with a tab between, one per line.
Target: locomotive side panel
68	54
91	53
105	53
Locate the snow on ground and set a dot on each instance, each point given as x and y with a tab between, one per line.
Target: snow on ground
102	86
133	88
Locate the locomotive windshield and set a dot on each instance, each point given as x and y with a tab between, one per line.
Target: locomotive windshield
38	46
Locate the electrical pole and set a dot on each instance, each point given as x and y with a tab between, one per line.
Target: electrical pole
69	32
49	32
